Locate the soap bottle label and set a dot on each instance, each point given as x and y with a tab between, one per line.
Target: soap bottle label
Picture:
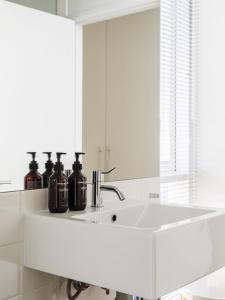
63	193
32	184
58	196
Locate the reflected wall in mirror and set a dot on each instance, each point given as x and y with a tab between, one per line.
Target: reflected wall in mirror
36	90
121	96
49	6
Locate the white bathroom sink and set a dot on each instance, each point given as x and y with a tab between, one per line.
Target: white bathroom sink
146	250
144	216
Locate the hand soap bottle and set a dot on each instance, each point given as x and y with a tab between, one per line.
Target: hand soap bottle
33	180
77	186
48	170
58	188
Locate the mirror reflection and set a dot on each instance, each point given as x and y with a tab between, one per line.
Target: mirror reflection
120	121
36	91
121	96
49	6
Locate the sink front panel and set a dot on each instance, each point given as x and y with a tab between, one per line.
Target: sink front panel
115	258
133	256
188	252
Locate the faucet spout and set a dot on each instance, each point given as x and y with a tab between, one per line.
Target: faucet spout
98	188
111	188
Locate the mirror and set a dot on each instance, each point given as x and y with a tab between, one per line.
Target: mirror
120	123
121	96
36	90
49	6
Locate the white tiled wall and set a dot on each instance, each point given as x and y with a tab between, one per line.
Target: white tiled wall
16	281
20	283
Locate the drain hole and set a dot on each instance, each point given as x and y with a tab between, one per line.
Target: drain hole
114	217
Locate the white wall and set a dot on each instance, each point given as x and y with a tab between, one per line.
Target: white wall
211	179
16	281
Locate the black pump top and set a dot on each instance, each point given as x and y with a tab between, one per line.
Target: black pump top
33	166
49	164
58	165
77	166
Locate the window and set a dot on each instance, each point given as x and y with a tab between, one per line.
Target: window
177	101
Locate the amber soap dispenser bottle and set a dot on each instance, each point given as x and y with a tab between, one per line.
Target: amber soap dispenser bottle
33	180
77	186
48	170
58	188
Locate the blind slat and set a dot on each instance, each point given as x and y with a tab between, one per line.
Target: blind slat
176	98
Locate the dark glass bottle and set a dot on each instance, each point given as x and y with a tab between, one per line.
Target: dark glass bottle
77	186
48	170
58	188
33	180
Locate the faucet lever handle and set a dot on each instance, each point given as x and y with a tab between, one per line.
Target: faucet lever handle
98	176
107	172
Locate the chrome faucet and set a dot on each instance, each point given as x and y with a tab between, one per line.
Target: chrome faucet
97	188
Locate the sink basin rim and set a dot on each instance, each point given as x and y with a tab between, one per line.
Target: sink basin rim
210	213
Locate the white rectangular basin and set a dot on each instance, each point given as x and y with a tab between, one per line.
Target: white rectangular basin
146	250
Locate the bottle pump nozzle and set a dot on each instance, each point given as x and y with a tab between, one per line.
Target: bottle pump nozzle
33	164
33	154
77	165
77	155
49	163
58	165
49	154
58	155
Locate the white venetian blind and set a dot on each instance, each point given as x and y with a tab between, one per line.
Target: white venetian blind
177	101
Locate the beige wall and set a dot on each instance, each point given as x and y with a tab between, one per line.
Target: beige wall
121	96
